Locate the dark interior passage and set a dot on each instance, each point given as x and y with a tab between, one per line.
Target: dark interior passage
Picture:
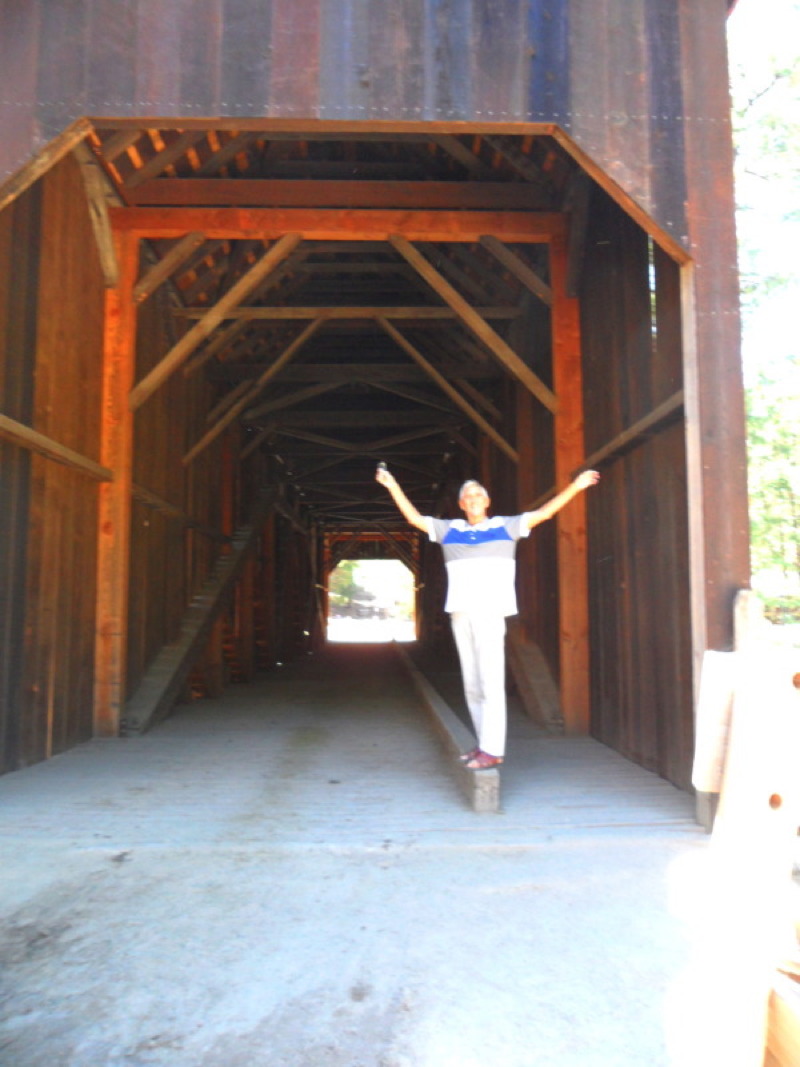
250	376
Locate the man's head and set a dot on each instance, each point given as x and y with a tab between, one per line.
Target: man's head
474	501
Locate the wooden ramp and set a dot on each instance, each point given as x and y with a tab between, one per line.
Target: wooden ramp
168	671
535	685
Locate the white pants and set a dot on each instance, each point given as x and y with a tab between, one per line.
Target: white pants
480	640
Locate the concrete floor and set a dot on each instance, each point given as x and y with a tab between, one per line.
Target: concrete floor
289	877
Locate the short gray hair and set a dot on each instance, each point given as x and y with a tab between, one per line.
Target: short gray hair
468	485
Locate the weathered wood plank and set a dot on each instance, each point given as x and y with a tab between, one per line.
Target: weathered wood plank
180	352
163	159
367	311
476	323
115	499
259	385
100	195
670	409
572	548
166	266
529	278
163	681
330	224
363	193
23	435
449	391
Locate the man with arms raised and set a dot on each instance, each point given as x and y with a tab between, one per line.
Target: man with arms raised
479	554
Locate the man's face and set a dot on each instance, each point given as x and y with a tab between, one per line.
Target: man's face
474	503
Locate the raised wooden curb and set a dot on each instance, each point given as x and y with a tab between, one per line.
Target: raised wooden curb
481	788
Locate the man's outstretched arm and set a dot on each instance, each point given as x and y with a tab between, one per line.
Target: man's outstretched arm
407	509
548	510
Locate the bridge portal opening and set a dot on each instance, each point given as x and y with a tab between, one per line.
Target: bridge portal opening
371	601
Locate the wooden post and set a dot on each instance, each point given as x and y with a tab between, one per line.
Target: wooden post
573	585
116	454
247	647
268	594
526	584
214	662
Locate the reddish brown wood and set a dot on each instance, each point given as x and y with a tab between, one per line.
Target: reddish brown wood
330	224
572	575
364	193
115	497
181	351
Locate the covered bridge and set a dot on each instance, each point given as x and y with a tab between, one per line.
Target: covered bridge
249	248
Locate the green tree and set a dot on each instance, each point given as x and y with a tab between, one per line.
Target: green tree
774	474
765	89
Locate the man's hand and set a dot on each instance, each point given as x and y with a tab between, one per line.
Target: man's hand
586	479
385	477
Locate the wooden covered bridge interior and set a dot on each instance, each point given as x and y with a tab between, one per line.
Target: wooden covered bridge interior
510	256
278	313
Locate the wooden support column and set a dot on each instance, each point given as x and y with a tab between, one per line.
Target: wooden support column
573	586
247	646
116	454
214	663
526	484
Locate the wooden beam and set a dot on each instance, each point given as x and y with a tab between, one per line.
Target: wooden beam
449	391
161	160
364	193
476	323
180	352
152	500
260	383
167	265
255	443
282	313
333	224
37	442
114	513
521	271
120	142
576	206
408	392
327	443
289	401
229	398
99	197
334	372
164	678
219	344
461	154
573	583
347	419
640	430
50	155
225	153
507	147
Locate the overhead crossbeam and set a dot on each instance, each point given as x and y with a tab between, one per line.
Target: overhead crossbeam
180	352
476	323
332	224
449	391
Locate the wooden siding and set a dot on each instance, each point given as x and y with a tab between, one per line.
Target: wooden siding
638	525
172	551
610	73
19	266
51	383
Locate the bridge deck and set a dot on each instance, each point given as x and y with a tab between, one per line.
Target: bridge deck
289	875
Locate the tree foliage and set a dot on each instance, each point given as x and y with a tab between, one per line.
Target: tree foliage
774	475
766	117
